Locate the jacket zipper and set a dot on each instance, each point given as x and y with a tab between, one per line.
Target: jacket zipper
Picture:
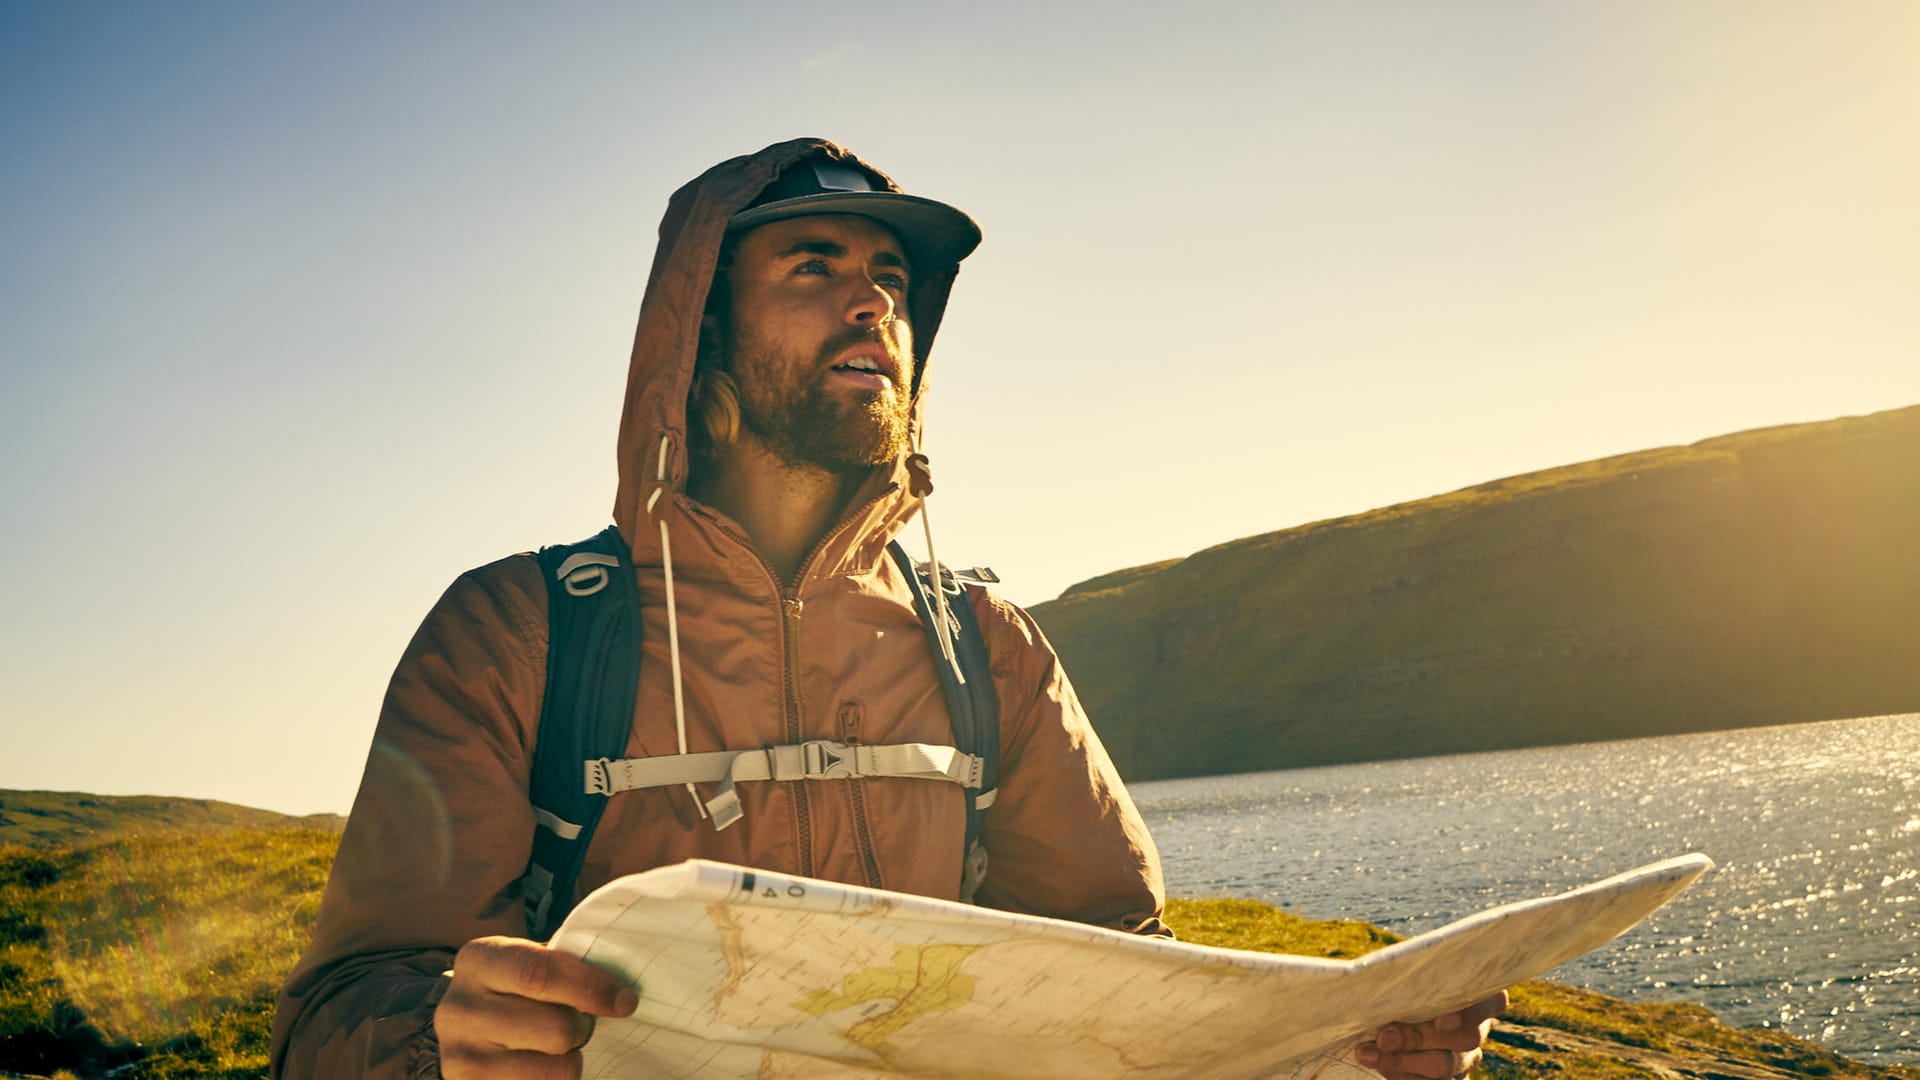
791	602
865	837
790	606
790	609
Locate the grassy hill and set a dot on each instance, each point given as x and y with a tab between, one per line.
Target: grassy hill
158	952
1758	578
159	955
39	819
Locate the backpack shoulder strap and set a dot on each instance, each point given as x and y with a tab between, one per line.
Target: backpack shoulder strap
593	674
972	701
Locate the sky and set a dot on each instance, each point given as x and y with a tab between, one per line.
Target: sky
307	308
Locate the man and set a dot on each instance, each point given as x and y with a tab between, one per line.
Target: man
777	386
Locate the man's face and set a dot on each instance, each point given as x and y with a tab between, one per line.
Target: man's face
819	342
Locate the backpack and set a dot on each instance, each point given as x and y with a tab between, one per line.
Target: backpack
593	678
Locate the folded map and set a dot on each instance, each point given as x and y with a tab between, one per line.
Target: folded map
746	973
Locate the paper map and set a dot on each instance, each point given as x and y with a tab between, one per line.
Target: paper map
745	973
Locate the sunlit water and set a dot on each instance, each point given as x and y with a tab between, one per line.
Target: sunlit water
1810	922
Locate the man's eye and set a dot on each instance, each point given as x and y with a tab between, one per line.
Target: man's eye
892	281
812	266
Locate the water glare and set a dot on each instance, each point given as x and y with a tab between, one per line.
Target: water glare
1811	922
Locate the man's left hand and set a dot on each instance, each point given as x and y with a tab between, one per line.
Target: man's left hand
1446	1046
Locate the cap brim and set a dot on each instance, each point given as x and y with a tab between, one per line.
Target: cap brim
936	235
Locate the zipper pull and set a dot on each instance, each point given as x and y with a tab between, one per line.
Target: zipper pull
792	604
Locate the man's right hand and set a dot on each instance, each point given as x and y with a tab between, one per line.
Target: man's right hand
516	1008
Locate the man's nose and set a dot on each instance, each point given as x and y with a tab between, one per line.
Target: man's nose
872	304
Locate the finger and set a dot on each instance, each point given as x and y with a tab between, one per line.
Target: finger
529	969
516	1064
1461	1030
1461	1040
1400	1038
488	1021
1475	1014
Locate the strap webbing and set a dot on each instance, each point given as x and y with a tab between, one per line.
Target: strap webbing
973	705
593	671
819	759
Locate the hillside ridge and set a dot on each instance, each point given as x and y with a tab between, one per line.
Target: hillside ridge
1539	480
45	819
1754	578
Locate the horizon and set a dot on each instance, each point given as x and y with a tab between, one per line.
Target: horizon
305	311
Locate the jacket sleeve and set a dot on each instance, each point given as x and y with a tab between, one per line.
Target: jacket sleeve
437	841
1063	838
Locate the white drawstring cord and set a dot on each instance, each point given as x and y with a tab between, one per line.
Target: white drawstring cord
940	597
939	584
673	614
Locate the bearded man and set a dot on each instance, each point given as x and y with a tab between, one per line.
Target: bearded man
766	457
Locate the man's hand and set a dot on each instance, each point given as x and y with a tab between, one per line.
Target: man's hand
1443	1047
517	1008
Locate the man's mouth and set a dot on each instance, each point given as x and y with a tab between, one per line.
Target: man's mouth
866	369
861	363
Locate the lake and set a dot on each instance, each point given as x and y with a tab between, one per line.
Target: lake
1810	922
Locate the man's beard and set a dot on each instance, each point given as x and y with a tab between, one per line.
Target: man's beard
789	408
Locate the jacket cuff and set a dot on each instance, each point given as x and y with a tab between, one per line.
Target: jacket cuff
423	1046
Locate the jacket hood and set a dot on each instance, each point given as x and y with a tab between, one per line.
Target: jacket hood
666	343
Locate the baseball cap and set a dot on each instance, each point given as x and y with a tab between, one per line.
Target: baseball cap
936	235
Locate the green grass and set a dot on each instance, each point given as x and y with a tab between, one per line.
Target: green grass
1250	924
160	951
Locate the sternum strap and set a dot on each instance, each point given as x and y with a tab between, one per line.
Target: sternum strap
819	759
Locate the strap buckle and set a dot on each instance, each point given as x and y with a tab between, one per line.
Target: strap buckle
976	768
816	759
600	777
585	572
952	576
829	760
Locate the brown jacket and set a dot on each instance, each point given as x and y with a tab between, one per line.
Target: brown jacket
441	829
